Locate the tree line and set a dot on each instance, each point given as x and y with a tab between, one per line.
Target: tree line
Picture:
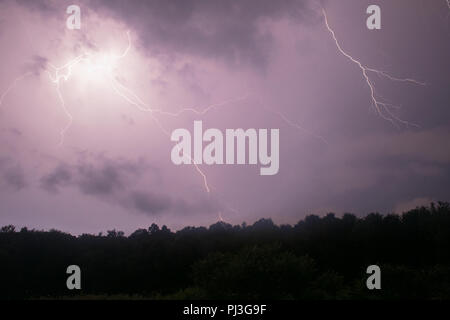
317	258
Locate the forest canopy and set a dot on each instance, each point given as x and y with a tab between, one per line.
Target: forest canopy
317	258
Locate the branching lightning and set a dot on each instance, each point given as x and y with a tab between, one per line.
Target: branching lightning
383	109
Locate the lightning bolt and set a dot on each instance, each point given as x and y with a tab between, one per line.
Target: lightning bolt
383	109
12	86
58	77
197	168
204	110
296	125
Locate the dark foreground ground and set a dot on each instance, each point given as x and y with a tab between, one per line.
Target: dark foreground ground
318	258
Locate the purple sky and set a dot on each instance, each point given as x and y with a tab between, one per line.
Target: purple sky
266	64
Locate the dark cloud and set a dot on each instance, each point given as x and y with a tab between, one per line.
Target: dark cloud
58	178
99	176
12	174
15	131
149	203
154	204
103	180
41	6
115	181
226	29
217	29
36	65
15	178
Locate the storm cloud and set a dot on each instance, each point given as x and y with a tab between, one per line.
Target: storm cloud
337	154
12	174
229	30
116	181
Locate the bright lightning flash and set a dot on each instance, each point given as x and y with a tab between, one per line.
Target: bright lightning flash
99	67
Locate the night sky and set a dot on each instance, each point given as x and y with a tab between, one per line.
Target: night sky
92	152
